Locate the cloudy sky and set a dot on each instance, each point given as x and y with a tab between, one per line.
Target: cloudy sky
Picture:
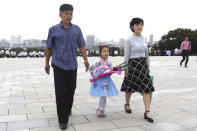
106	19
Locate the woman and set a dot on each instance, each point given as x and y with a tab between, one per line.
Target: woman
137	78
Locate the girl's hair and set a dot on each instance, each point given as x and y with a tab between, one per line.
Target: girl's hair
101	47
136	21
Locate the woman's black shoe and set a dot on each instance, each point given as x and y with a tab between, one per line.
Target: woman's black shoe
63	126
148	118
127	110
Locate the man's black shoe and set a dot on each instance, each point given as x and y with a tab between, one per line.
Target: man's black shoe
63	126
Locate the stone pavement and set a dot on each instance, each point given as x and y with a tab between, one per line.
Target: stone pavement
27	100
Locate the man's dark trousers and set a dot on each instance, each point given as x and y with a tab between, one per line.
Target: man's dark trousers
65	85
185	55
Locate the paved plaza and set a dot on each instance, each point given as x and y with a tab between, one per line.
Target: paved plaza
27	100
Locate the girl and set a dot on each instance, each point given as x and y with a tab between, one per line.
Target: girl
137	78
104	86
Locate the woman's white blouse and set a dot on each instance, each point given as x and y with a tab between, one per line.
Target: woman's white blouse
137	47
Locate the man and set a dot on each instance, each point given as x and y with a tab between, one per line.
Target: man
168	53
176	51
116	53
30	54
1	53
64	39
34	53
7	53
185	49
12	54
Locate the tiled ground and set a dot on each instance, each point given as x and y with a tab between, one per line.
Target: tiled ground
27	100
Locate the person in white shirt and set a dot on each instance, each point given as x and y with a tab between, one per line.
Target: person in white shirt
19	55
34	54
155	52
97	52
137	78
30	54
7	53
176	51
42	54
25	54
168	53
87	53
2	53
39	53
159	52
14	54
116	53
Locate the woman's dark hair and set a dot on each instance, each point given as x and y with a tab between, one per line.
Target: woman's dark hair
64	7
101	47
136	21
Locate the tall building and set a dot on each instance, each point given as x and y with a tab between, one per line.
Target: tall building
121	43
43	43
4	43
15	41
151	38
90	41
32	43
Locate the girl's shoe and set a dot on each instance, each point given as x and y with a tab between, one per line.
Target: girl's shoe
103	114
149	119
99	113
127	110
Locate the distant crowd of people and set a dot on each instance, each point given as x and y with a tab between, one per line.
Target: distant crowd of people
96	53
23	54
153	52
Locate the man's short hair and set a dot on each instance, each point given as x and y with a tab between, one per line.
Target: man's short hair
64	7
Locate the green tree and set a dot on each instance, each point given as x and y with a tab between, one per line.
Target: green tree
174	38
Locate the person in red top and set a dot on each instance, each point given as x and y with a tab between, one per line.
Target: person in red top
185	49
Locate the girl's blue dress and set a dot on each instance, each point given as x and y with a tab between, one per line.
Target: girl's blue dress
103	86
